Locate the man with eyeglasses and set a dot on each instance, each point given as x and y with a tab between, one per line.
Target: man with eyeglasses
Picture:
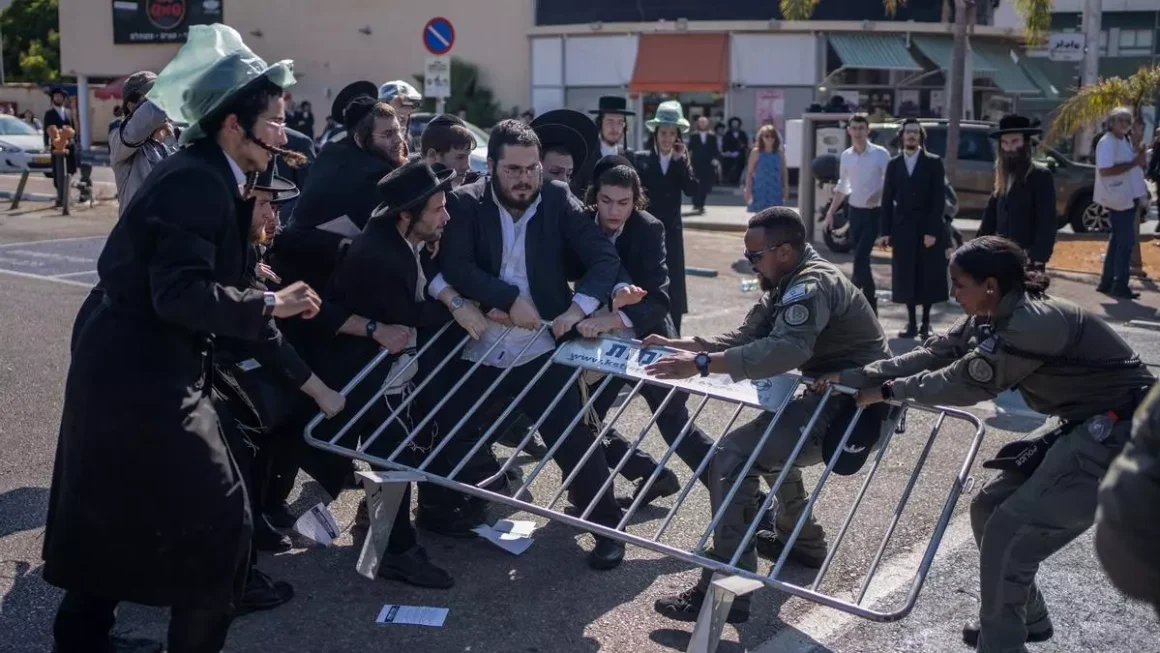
505	247
811	318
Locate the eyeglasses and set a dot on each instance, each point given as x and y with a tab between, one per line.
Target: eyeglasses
754	257
520	171
276	123
386	133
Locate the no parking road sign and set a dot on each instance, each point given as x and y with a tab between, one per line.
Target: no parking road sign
438	36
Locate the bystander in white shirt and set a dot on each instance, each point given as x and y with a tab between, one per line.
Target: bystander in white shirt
1117	192
862	175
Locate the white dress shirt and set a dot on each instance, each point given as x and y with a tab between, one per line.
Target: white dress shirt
862	175
514	270
910	160
665	159
608	150
239	176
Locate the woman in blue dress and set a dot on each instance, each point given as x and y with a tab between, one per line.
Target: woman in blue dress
765	177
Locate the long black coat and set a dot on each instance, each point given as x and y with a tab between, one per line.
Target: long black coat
641	246
147	504
51	119
912	208
664	202
703	155
1025	214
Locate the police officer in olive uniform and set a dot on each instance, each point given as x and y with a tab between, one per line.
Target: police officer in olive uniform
1068	364
813	318
1128	519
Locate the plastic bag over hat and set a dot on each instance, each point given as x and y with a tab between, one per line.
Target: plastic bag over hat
210	68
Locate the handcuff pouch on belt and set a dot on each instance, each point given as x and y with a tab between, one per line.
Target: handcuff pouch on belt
1024	456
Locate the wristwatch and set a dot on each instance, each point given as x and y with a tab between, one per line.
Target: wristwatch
269	301
701	360
371	326
887	391
457	303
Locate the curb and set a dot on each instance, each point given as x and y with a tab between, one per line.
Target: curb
1145	324
28	197
707	225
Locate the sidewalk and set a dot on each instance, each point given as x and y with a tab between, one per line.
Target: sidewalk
40	189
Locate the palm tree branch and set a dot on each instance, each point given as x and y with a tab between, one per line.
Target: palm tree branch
1037	17
1089	105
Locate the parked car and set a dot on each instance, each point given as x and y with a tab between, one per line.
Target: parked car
478	155
974	179
22	146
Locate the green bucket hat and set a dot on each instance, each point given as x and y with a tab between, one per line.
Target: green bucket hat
212	68
669	113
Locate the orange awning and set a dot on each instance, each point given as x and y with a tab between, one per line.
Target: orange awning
681	62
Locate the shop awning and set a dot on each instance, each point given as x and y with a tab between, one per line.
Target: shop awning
673	63
1056	78
873	52
1008	75
939	50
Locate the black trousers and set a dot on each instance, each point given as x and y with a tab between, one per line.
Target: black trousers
670	421
864	231
704	185
83	624
576	441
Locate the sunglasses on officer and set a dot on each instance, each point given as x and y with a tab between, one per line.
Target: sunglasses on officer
754	257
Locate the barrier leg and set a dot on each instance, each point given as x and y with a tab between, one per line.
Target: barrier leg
384	492
19	195
714	610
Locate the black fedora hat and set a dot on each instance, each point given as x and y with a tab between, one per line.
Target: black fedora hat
613	104
569	129
607	163
268	180
410	186
1016	124
348	93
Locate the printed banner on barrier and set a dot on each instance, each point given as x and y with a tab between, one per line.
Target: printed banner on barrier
626	358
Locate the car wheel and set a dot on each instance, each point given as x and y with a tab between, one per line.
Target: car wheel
1087	216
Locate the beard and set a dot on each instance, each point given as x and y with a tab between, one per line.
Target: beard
765	283
1017	163
510	200
397	155
911	146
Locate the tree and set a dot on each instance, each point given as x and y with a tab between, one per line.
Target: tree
468	92
1037	18
1093	102
31	41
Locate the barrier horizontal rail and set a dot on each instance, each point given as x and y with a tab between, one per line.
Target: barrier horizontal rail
447	422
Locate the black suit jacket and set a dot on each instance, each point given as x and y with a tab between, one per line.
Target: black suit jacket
703	154
641	246
1025	214
51	118
472	250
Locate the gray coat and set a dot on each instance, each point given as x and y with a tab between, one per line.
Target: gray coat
133	152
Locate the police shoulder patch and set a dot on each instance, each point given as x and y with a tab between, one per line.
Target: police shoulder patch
794	293
980	370
796	315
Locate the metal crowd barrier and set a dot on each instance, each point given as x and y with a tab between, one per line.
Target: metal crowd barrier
616	357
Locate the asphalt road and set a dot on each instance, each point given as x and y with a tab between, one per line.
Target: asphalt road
547	599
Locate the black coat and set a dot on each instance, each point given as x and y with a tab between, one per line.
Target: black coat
641	246
1025	214
738	143
342	182
913	207
147	504
664	202
703	155
52	118
471	253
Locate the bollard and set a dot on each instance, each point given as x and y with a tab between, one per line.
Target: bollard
60	173
19	194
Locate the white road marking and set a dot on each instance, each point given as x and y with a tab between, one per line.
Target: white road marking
73	274
41	277
821	624
51	240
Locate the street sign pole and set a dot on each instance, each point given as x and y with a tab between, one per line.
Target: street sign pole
438	38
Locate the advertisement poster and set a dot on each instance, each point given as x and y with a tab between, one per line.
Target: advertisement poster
161	21
771	108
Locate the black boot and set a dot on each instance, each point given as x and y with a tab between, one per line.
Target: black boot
279	515
414	568
1040	631
667	484
263	593
452	520
910	332
924	332
770	546
686	606
608	554
269	540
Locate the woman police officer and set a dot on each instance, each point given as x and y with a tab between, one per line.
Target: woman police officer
1068	364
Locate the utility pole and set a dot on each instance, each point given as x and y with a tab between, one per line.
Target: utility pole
1090	69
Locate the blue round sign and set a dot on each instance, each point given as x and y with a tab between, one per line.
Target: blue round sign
438	36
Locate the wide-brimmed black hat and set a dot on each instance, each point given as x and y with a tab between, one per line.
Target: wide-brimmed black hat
268	180
410	186
569	129
1016	124
613	104
350	92
607	163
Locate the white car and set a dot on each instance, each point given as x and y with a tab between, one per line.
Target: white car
22	146
478	158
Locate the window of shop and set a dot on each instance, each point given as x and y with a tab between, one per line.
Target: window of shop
1136	41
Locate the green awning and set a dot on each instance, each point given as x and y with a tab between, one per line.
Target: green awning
1008	75
1056	78
873	52
938	49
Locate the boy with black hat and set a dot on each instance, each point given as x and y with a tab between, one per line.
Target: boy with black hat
568	139
1022	205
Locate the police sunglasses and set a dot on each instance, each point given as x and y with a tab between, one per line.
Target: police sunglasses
754	257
